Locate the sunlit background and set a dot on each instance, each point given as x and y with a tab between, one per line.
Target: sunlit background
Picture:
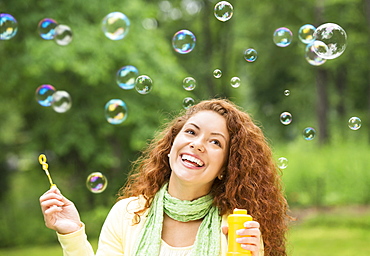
89	83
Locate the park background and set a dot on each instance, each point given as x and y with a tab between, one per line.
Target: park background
327	179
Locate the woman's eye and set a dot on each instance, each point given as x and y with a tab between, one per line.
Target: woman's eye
190	131
216	142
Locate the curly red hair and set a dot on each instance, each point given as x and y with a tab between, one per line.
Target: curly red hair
251	180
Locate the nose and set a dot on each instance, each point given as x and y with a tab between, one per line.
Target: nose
197	146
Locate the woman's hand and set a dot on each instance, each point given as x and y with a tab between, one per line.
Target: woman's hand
60	214
251	239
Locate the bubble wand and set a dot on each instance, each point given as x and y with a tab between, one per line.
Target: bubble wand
42	161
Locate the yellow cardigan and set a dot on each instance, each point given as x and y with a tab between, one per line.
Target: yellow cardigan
118	234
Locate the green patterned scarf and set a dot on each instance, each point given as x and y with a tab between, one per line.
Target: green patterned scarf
208	239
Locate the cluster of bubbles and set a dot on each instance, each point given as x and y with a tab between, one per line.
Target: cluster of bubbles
49	29
96	182
326	42
47	95
8	26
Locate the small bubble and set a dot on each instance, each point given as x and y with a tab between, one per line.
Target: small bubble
115	25
223	11
282	163
143	84
333	37
115	111
8	26
126	77
309	133
250	55
283	37
305	33
62	101
287	92
46	28
183	41
286	118
96	182
311	55
44	95
188	102
63	35
217	73
235	82
354	123
189	83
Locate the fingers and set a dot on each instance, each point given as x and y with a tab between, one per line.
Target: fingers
250	236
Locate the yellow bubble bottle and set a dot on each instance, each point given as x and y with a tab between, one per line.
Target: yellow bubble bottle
236	221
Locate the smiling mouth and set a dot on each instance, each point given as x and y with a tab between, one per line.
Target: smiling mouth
192	160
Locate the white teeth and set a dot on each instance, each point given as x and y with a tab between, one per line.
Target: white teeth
192	159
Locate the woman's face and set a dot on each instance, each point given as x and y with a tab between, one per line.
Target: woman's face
199	151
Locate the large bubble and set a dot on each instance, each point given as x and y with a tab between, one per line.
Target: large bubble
183	41
115	25
44	95
62	101
46	28
63	34
8	26
223	11
335	39
126	77
96	182
116	111
305	33
283	37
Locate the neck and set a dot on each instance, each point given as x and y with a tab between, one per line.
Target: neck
187	192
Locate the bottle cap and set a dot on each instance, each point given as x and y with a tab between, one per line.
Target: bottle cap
240	211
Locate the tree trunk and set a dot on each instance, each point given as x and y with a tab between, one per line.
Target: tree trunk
322	105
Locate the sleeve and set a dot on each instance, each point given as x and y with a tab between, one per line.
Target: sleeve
111	239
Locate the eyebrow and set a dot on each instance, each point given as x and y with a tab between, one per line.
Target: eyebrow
213	133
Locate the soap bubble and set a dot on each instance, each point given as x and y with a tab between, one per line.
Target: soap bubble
188	102
306	32
44	95
334	37
183	41
283	37
189	83
115	25
62	101
8	26
286	92
235	82
286	118
282	163
311	55
143	84
46	28
96	182
63	34
126	77
309	133
250	55
115	111
223	11
354	123
217	73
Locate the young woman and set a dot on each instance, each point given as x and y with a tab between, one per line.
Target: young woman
204	164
